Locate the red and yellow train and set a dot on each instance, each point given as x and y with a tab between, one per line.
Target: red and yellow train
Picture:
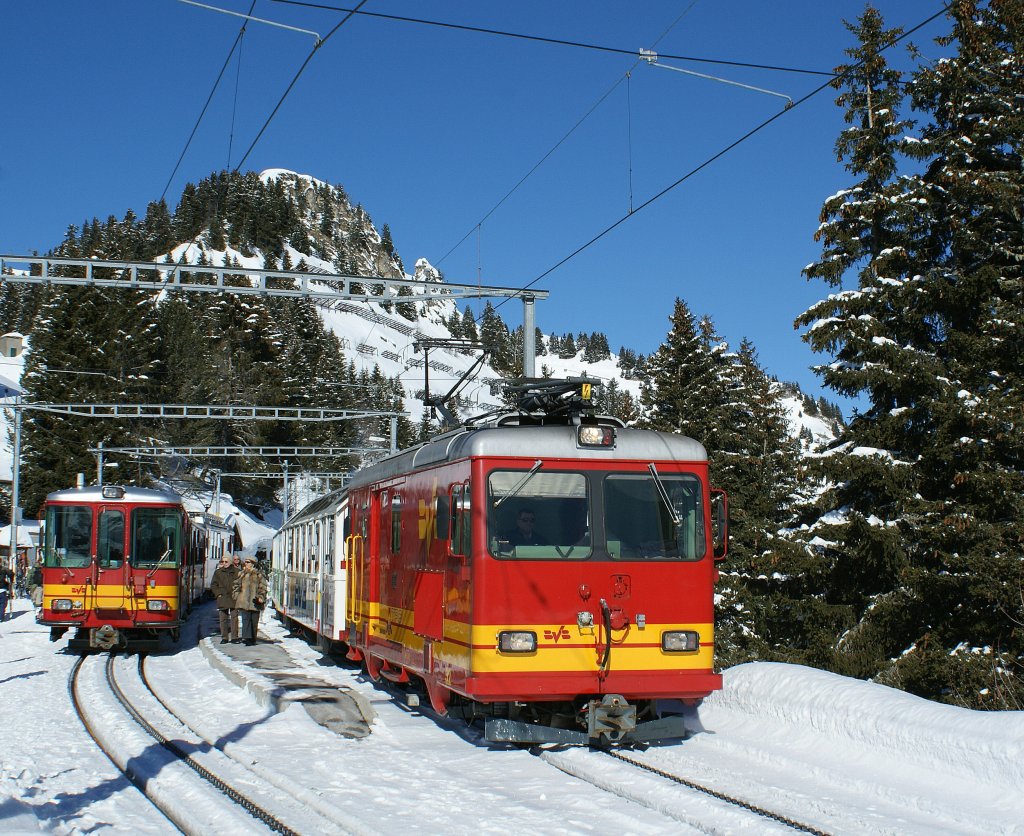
122	565
579	628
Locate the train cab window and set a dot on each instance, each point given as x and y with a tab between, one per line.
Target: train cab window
110	540
648	520
68	536
537	515
156	537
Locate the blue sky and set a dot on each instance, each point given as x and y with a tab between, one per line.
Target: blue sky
430	127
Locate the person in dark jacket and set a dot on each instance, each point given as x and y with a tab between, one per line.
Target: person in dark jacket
222	586
6	590
524	534
250	596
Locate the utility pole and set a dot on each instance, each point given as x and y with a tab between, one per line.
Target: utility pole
15	498
529	336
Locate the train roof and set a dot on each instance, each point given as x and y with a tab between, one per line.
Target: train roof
504	438
94	493
328	503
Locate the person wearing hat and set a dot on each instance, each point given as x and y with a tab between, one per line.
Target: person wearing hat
250	590
222	586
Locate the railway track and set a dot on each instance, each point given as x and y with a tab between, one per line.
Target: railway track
570	761
169	762
582	764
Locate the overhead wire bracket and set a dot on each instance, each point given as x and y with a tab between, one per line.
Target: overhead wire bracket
651	57
255	19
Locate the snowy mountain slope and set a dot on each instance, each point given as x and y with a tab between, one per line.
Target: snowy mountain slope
373	336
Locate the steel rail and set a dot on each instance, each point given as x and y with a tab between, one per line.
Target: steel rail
721	796
136	781
239	798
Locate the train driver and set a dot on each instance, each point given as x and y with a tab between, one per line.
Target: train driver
524	533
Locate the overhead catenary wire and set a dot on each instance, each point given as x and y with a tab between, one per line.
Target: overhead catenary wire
234	104
298	75
529	173
557	145
757	129
320	42
209	98
547	40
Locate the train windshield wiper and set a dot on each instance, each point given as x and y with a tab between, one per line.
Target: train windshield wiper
664	494
518	486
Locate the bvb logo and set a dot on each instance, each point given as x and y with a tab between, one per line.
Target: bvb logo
427	514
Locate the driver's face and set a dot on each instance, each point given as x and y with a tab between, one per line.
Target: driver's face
525	521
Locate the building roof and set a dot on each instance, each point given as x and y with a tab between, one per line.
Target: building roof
25	531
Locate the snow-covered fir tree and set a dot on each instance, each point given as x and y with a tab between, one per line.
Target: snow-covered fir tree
920	528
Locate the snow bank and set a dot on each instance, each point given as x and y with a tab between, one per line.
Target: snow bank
980	746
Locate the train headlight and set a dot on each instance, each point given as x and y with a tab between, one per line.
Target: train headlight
61	604
156	605
517	641
680	641
589	436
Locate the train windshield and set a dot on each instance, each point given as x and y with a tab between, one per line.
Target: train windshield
68	536
156	537
652	515
538	514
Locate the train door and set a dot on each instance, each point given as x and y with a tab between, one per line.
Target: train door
109	582
359	565
340	529
318	551
386	555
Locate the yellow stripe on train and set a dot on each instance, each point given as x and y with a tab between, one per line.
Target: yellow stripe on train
72	590
559	647
571	648
109	596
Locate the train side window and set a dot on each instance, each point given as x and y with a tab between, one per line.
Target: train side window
110	539
464	520
346	532
396	523
443	504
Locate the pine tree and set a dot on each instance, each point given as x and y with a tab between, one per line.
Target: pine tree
469	329
495	335
683	391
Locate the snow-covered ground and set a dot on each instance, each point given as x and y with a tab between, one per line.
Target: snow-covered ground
839	755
